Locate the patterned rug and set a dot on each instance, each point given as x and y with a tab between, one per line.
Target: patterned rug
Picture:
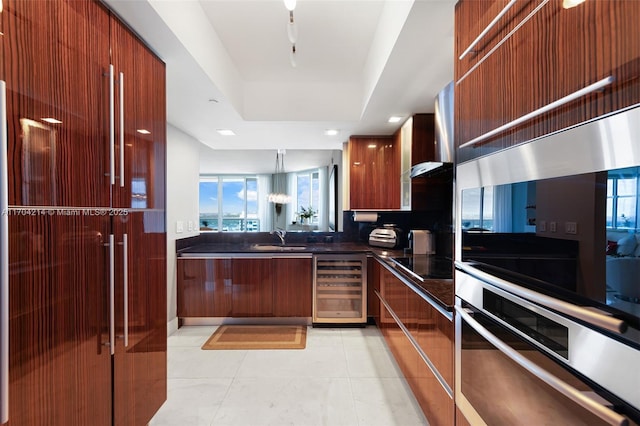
258	337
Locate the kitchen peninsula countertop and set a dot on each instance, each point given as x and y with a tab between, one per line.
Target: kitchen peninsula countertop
441	290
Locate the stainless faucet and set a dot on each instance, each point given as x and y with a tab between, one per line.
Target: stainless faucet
281	233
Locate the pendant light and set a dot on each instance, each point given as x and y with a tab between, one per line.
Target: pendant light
278	195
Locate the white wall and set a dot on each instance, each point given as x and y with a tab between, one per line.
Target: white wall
183	166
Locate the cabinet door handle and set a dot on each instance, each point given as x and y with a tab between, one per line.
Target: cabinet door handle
601	411
112	295
112	141
487	29
125	269
4	259
553	105
121	129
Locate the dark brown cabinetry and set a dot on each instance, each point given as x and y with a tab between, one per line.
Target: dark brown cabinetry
536	54
244	287
204	288
252	283
414	330
374	172
292	287
87	286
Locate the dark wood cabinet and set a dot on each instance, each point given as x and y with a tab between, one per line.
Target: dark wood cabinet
88	264
245	287
204	288
292	287
414	328
54	58
252	287
374	172
534	57
59	363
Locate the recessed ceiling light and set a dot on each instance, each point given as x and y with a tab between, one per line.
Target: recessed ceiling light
331	132
51	120
226	132
143	131
394	119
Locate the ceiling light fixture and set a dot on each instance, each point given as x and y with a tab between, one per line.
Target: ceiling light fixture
331	132
278	195
290	4
292	56
292	29
394	119
226	132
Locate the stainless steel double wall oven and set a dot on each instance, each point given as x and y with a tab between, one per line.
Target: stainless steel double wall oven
548	279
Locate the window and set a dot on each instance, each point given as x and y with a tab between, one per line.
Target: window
308	192
622	199
477	211
229	203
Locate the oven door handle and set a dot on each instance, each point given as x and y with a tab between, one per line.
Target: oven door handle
603	412
594	317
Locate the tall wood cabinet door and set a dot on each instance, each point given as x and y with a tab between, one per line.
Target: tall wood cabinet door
204	288
59	359
374	173
55	57
292	292
140	106
252	288
140	361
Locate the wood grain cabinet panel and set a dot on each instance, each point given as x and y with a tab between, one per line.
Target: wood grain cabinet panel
204	288
59	360
54	58
292	287
552	55
252	287
374	173
56	61
140	107
429	330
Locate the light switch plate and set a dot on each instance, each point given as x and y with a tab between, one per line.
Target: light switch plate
190	225
179	227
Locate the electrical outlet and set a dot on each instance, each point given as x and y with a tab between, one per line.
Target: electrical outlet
542	226
179	227
571	228
553	226
190	225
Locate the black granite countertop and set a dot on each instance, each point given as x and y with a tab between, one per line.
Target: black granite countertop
441	290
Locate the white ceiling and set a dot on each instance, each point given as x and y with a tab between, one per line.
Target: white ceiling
358	62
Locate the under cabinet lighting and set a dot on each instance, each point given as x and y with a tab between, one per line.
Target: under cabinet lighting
371	146
226	132
143	131
394	119
568	4
52	120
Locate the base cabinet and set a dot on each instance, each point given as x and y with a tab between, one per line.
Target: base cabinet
415	330
244	287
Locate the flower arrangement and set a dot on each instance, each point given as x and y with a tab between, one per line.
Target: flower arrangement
307	213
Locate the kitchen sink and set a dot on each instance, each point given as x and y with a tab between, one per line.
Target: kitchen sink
274	247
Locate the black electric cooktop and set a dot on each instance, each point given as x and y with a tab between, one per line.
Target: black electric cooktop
425	266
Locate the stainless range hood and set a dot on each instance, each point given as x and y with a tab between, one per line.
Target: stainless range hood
443	146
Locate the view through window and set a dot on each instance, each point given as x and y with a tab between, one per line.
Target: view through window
229	203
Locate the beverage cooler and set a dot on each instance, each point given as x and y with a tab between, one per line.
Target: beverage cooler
339	289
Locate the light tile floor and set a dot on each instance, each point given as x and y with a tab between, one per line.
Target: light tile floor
345	376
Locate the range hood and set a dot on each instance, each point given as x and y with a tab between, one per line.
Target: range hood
443	144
